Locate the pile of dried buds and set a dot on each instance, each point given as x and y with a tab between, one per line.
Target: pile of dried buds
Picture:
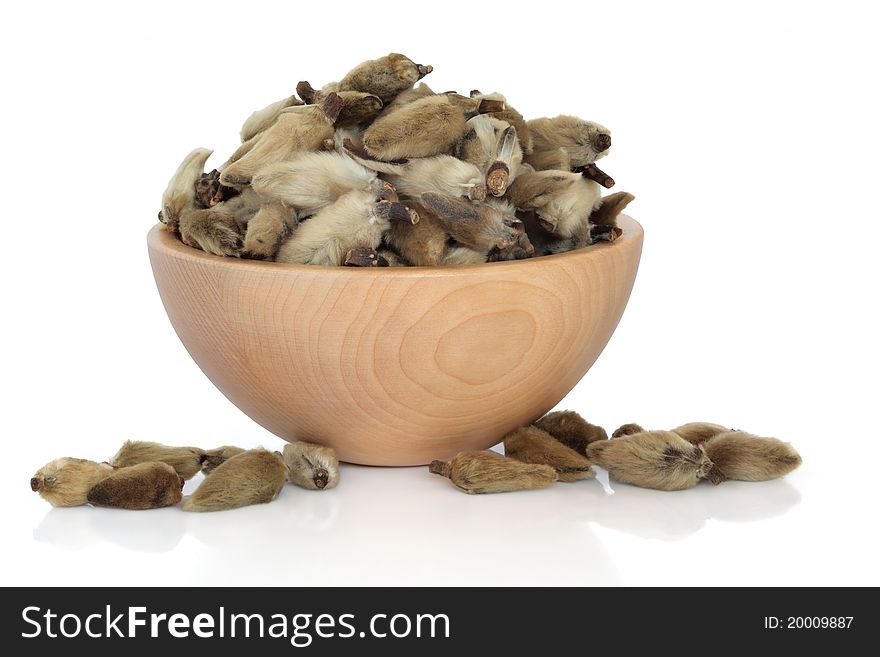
373	171
562	446
146	475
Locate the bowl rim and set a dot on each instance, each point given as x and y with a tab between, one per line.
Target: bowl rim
159	238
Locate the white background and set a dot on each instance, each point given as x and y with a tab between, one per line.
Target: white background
749	135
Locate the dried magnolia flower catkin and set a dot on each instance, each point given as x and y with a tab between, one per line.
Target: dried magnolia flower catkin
562	200
220	228
565	142
492	145
610	208
654	459
424	244
252	477
67	481
214	458
699	432
357	220
311	181
186	461
295	130
627	430
311	466
267	228
139	487
426	127
743	456
478	226
442	174
571	430
384	77
489	472
534	445
180	193
357	106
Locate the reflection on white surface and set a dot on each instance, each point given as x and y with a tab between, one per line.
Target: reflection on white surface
676	515
401	526
141	531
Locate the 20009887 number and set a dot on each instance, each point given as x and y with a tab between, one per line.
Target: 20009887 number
819	622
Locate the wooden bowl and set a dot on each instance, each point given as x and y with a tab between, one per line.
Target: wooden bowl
396	366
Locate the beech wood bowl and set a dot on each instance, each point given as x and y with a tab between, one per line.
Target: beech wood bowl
396	366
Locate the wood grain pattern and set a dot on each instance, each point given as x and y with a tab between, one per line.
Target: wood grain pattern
396	366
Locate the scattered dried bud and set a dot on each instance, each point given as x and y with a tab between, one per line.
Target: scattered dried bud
252	477
139	487
571	430
488	472
534	445
186	461
653	459
67	481
311	466
743	456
